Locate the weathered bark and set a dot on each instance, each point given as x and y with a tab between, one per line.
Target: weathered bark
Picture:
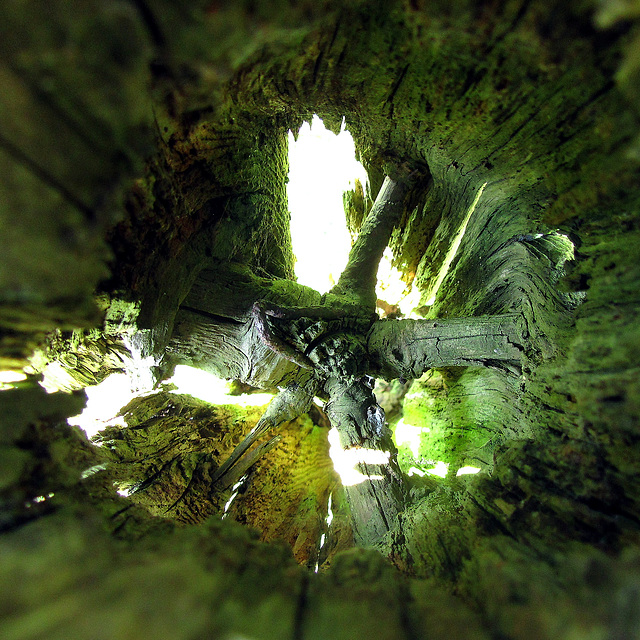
358	280
374	505
216	318
408	348
380	496
340	356
291	402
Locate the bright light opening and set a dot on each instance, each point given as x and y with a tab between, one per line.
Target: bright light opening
390	287
207	387
104	402
453	249
322	166
140	368
441	469
463	471
228	504
329	518
9	378
344	462
234	495
409	434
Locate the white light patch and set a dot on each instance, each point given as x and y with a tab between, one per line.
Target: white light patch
104	401
393	290
228	504
453	249
12	376
414	471
322	166
207	387
329	518
463	471
409	434
141	367
441	469
344	462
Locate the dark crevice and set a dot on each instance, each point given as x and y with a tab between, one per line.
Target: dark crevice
397	84
44	176
212	316
301	609
316	67
334	35
150	22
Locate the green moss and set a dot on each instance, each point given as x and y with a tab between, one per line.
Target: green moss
463	415
210	579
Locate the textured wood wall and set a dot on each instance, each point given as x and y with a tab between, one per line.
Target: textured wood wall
142	143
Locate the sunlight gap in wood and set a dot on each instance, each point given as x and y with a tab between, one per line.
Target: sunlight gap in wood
467	470
441	469
323	538
8	378
393	291
345	461
205	386
236	490
453	249
410	435
322	166
105	400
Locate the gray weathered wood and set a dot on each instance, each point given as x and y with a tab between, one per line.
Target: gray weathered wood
359	276
408	348
376	501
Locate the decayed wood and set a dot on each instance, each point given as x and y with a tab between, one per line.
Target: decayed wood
408	348
291	402
380	496
359	276
229	350
245	328
396	349
497	94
